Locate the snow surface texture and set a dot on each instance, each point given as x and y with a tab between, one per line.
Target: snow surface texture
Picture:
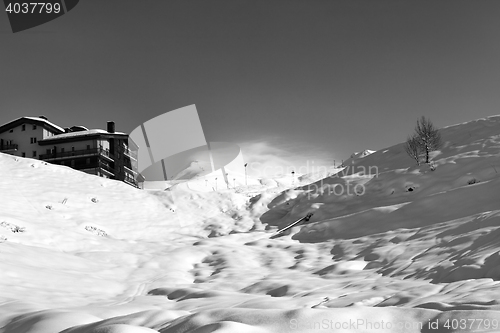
402	249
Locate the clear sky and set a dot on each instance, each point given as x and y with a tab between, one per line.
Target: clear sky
287	80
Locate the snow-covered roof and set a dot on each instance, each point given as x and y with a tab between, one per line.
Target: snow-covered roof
81	133
37	119
79	128
45	121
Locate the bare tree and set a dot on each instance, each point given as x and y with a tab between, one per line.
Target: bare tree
428	135
413	148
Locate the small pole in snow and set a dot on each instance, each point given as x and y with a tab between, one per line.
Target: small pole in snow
246	174
216	184
234	182
293	177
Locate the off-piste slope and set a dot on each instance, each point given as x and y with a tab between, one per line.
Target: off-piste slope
392	247
438	221
89	238
470	155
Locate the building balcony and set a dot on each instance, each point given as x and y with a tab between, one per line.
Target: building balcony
79	153
130	170
129	153
131	181
8	148
98	166
106	167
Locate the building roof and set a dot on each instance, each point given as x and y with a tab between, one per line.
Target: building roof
31	120
81	135
77	128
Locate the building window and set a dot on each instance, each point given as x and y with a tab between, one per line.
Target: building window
34	153
24	154
34	127
23	128
73	148
88	147
33	140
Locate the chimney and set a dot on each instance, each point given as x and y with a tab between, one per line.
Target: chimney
111	126
43	117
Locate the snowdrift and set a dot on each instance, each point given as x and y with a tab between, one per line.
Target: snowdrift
391	246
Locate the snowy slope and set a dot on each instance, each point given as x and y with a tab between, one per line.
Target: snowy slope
410	247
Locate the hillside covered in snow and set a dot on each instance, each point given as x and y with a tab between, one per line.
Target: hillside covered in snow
392	247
